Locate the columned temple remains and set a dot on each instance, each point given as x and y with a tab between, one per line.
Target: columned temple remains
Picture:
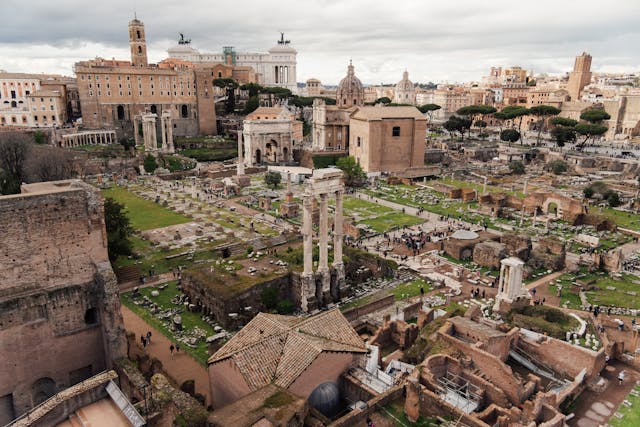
325	284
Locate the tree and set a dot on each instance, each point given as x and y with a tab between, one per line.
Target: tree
252	104
150	164
563	121
118	229
558	167
590	130
383	100
542	112
47	163
457	124
428	109
563	134
353	173
588	192
470	111
612	198
509	135
39	137
272	179
512	112
253	88
230	85
14	149
594	115
516	167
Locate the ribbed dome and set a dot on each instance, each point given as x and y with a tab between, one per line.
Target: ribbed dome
350	91
351	82
405	83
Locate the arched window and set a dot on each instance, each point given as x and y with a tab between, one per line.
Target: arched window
138	33
358	141
14	104
184	112
120	112
139	50
154	109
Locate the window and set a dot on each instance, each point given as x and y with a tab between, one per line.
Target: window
395	131
13	94
358	141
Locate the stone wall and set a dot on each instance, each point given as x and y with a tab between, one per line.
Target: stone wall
353	313
60	320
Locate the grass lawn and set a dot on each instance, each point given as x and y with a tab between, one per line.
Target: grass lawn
379	218
390	221
617	297
479	187
151	257
400	292
622	218
631	415
395	413
189	320
144	214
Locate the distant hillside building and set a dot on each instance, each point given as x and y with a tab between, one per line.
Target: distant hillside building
580	76
36	100
277	67
113	92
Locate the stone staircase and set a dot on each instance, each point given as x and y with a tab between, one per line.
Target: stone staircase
128	274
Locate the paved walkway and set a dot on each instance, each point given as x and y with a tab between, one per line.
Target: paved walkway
544	280
180	367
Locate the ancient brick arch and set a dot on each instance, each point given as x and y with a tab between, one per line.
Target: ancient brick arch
558	202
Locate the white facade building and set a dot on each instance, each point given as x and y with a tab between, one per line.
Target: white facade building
277	67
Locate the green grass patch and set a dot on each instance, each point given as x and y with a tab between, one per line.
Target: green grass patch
144	214
542	319
391	221
630	414
623	219
210	154
395	413
190	320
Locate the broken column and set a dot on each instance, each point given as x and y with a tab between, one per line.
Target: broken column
166	126
308	283
149	132
510	289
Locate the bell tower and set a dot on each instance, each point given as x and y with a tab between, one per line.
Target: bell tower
137	43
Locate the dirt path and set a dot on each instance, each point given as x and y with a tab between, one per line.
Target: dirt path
181	366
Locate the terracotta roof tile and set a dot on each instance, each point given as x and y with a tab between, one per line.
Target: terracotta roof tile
274	348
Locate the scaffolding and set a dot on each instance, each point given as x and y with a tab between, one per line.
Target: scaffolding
459	392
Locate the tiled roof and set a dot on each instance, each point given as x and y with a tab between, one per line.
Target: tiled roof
274	348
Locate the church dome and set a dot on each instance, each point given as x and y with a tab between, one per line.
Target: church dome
350	91
405	91
405	83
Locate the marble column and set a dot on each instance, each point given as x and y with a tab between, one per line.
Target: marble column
307	235
136	132
323	236
338	231
240	167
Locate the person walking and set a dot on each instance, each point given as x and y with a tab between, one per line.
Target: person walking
171	348
149	337
177	348
621	377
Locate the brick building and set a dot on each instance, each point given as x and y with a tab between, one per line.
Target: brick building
60	320
387	139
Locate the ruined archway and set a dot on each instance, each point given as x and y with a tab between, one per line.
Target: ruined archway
258	157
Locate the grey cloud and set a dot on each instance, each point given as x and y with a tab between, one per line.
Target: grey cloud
434	40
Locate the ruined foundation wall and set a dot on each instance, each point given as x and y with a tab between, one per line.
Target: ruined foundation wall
60	318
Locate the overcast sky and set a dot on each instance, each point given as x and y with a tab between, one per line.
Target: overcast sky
445	40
